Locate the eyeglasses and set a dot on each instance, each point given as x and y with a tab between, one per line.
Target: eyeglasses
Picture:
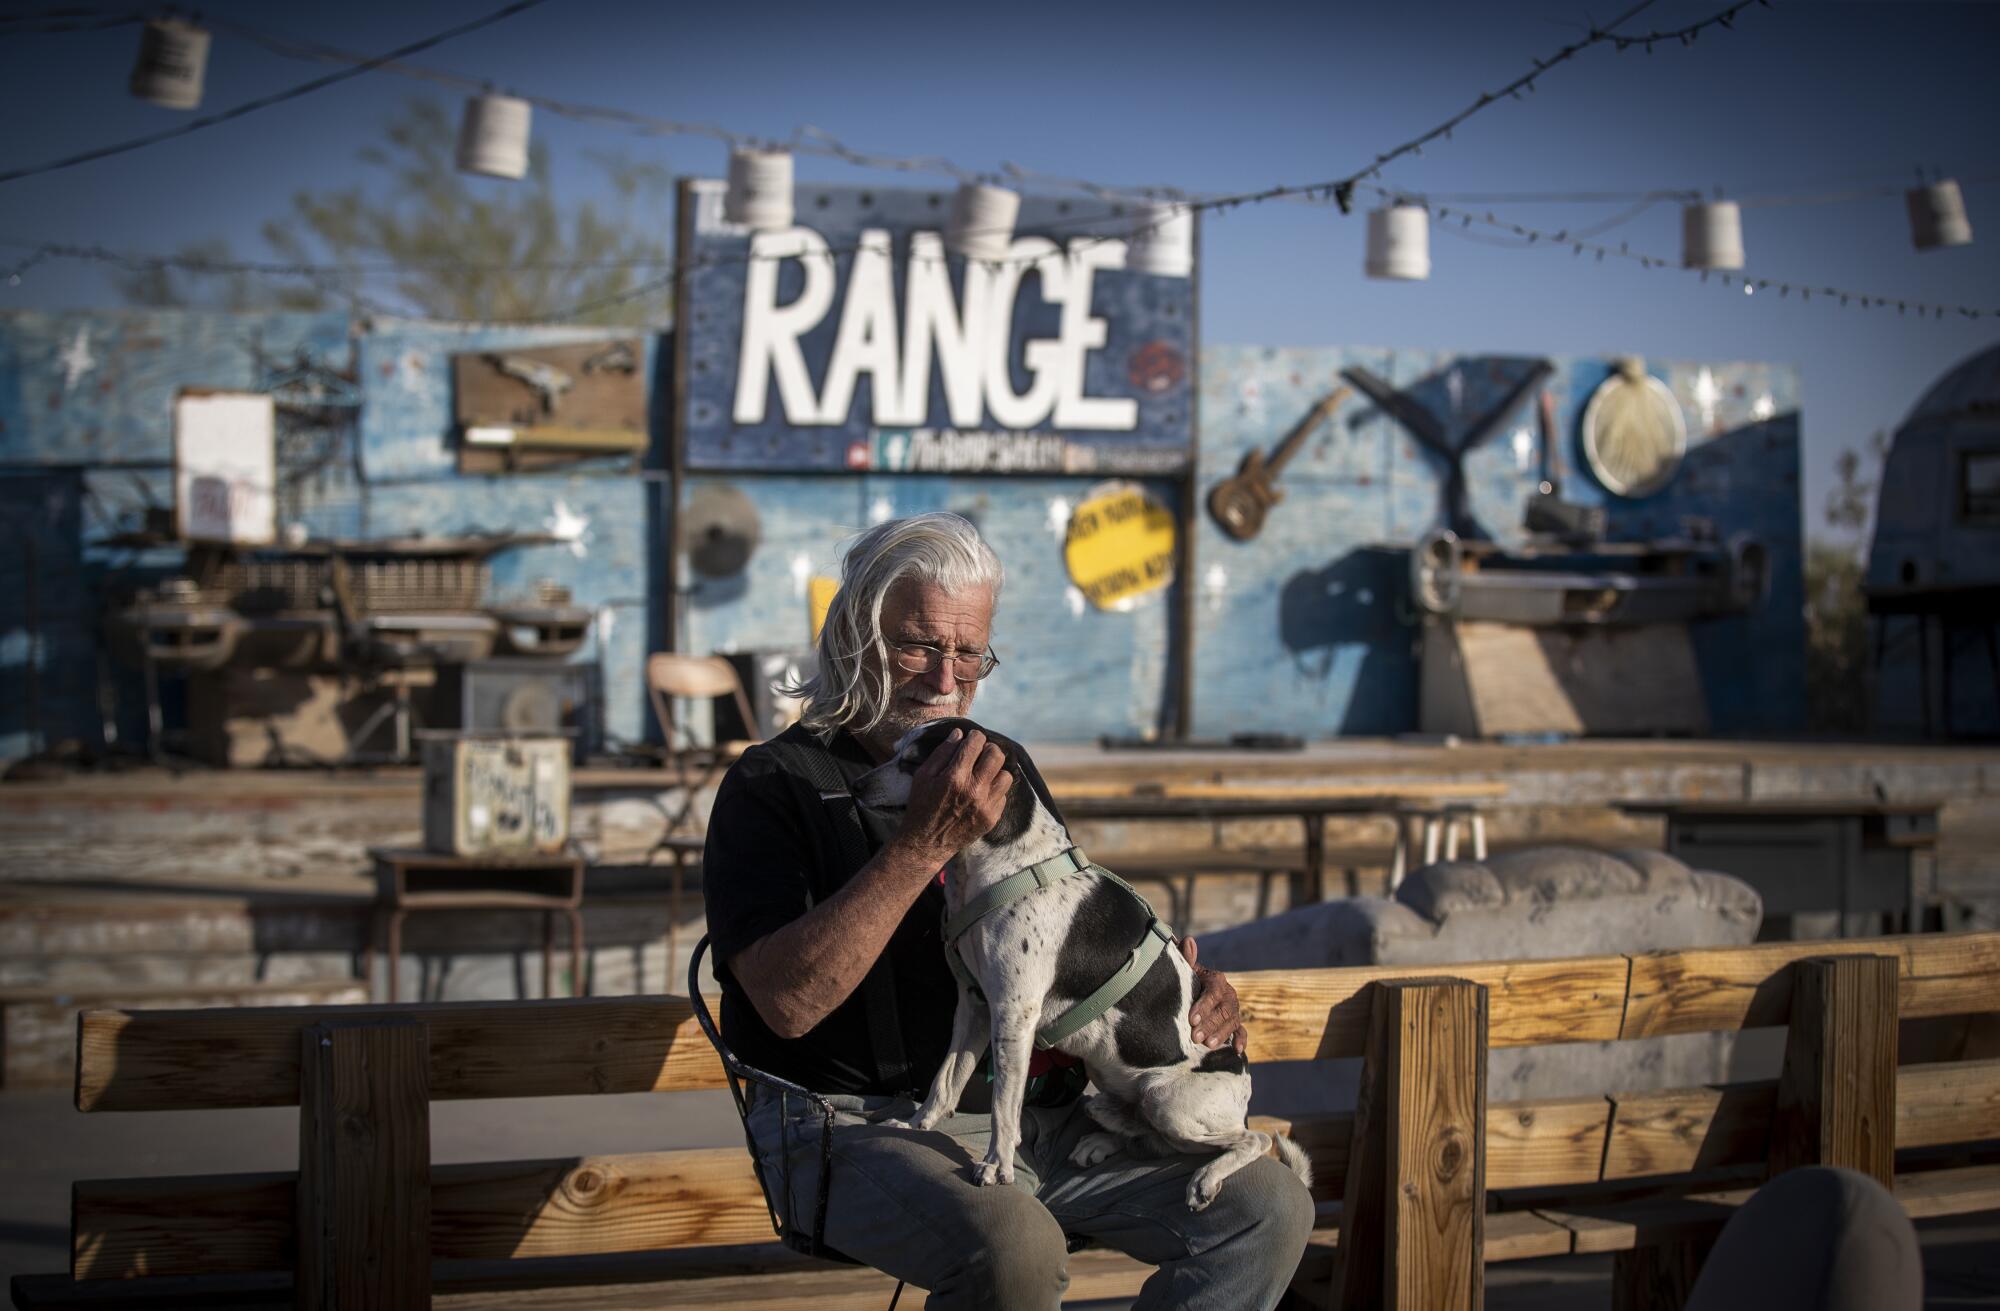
966	666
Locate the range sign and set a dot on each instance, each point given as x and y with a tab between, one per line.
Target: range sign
853	341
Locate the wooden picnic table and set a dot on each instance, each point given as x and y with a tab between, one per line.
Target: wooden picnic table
1857	856
1311	805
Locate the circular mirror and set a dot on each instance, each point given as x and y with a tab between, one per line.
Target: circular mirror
1633	433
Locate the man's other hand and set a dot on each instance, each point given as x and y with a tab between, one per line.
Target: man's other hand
957	795
1213	1019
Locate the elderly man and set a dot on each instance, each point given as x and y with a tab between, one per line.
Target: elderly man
825	927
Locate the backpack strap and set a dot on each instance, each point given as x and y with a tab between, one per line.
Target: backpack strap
878	987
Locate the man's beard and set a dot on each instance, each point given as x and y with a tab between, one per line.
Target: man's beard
911	707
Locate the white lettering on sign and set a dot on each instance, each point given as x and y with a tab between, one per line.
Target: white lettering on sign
771	331
971	344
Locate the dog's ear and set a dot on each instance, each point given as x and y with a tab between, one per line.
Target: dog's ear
1020	807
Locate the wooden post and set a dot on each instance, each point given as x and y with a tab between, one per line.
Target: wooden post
1413	1215
364	1199
1837	1092
1836	1105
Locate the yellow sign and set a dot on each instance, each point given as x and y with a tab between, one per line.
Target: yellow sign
819	596
1120	546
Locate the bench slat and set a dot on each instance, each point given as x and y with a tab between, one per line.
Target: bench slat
189	1060
170	1060
1951	1103
487	1210
1683	1130
1725	988
1298	1015
185	1060
1965	1190
708	1197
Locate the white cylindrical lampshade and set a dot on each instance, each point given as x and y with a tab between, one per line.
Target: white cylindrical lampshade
760	189
982	222
1712	236
1162	241
493	136
1937	216
173	58
1399	243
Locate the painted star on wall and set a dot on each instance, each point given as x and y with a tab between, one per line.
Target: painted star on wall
76	359
569	526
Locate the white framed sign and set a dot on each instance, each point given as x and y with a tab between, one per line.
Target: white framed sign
225	467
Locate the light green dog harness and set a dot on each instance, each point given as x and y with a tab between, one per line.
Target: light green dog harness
1069	864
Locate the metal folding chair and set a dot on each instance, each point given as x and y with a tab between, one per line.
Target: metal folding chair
812	1242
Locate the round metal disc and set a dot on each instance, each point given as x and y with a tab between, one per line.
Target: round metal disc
1633	433
719	530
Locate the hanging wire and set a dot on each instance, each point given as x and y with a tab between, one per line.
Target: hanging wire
1528	236
815	141
265	102
811	140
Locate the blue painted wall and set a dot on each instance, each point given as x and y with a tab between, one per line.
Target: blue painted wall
1297	630
86	445
1304	628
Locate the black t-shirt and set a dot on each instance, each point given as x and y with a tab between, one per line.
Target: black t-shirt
772	854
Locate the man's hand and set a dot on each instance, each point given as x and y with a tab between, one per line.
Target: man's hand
956	796
1213	1018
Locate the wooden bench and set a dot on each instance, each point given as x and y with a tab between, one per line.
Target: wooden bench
1425	1177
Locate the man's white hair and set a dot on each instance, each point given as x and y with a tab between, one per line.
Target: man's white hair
848	690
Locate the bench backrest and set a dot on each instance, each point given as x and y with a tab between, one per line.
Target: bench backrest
1422	1032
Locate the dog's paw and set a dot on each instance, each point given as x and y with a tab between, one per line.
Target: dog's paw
895	1124
1201	1191
1095	1147
992	1172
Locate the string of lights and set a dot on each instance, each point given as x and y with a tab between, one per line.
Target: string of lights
65	19
1579	246
808	140
1684	195
328	276
338	279
812	140
265	102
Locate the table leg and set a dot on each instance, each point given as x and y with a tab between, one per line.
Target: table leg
1315	859
395	947
548	953
674	917
575	952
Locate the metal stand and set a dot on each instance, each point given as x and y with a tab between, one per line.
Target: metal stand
408	881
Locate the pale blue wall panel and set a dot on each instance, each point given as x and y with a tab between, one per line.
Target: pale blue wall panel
97	386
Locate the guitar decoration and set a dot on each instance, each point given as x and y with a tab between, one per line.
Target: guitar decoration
1240	503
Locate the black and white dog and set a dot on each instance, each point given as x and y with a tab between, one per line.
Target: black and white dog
1036	957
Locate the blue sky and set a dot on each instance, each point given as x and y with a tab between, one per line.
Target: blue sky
1802	96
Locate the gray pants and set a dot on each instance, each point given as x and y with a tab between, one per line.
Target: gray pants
905	1203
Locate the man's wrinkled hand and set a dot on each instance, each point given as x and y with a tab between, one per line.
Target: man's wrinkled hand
1214	1019
957	795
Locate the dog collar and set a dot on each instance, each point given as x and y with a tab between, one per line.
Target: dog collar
1040	875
